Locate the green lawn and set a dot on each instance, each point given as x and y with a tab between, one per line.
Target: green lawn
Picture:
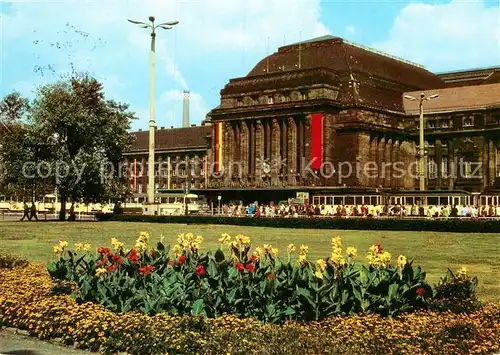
434	251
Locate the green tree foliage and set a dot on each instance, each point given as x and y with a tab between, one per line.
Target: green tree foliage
76	138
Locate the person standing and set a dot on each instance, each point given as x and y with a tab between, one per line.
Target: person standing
26	212
33	212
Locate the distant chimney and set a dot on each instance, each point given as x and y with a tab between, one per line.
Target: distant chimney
185	111
140	130
193	125
162	127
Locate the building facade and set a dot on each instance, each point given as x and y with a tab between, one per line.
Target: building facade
330	114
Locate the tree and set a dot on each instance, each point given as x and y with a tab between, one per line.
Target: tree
79	138
14	147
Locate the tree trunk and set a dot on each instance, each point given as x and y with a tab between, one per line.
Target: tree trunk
62	212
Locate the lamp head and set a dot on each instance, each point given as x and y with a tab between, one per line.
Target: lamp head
152	18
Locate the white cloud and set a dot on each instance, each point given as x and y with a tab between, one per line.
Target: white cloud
350	29
455	35
95	37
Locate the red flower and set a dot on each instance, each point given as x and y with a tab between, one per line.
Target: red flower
253	258
146	270
270	276
239	266
250	267
105	251
103	262
421	291
112	268
152	253
200	270
132	256
181	259
117	259
379	248
170	263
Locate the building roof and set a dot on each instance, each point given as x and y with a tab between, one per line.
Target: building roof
478	76
172	139
365	77
464	98
340	55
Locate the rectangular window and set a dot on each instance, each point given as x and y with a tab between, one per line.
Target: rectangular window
270	100
431	124
239	102
431	168
139	188
445	123
468	122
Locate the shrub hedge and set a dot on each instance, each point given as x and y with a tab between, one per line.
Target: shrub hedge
28	301
462	225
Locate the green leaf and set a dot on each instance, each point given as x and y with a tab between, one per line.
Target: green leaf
198	307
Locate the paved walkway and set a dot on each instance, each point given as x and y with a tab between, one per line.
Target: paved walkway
11	343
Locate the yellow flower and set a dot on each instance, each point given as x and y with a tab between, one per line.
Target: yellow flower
336	242
198	239
319	274
268	247
463	271
177	250
402	261
302	258
274	251
79	246
290	248
242	239
351	252
63	244
143	238
87	247
140	246
116	244
321	264
225	238
304	249
337	259
259	253
100	271
58	249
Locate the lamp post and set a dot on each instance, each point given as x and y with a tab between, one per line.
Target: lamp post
151	160
422	151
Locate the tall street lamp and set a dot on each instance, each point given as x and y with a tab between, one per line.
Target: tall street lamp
152	126
422	151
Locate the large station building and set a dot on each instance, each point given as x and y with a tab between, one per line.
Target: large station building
330	115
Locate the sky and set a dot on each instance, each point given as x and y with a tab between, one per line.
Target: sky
217	40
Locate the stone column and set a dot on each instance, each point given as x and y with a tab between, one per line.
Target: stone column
244	151
491	161
453	165
394	159
259	151
268	138
387	158
485	163
275	151
292	151
227	147
380	161
307	155
438	159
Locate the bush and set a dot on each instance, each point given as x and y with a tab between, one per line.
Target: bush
461	225
457	293
27	302
258	284
12	261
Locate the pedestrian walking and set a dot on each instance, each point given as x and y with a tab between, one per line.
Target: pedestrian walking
33	212
26	212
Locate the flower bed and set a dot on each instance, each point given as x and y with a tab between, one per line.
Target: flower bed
28	301
244	283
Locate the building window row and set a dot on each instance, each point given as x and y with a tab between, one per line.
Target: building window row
271	99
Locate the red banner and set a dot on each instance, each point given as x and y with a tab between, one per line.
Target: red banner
317	140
